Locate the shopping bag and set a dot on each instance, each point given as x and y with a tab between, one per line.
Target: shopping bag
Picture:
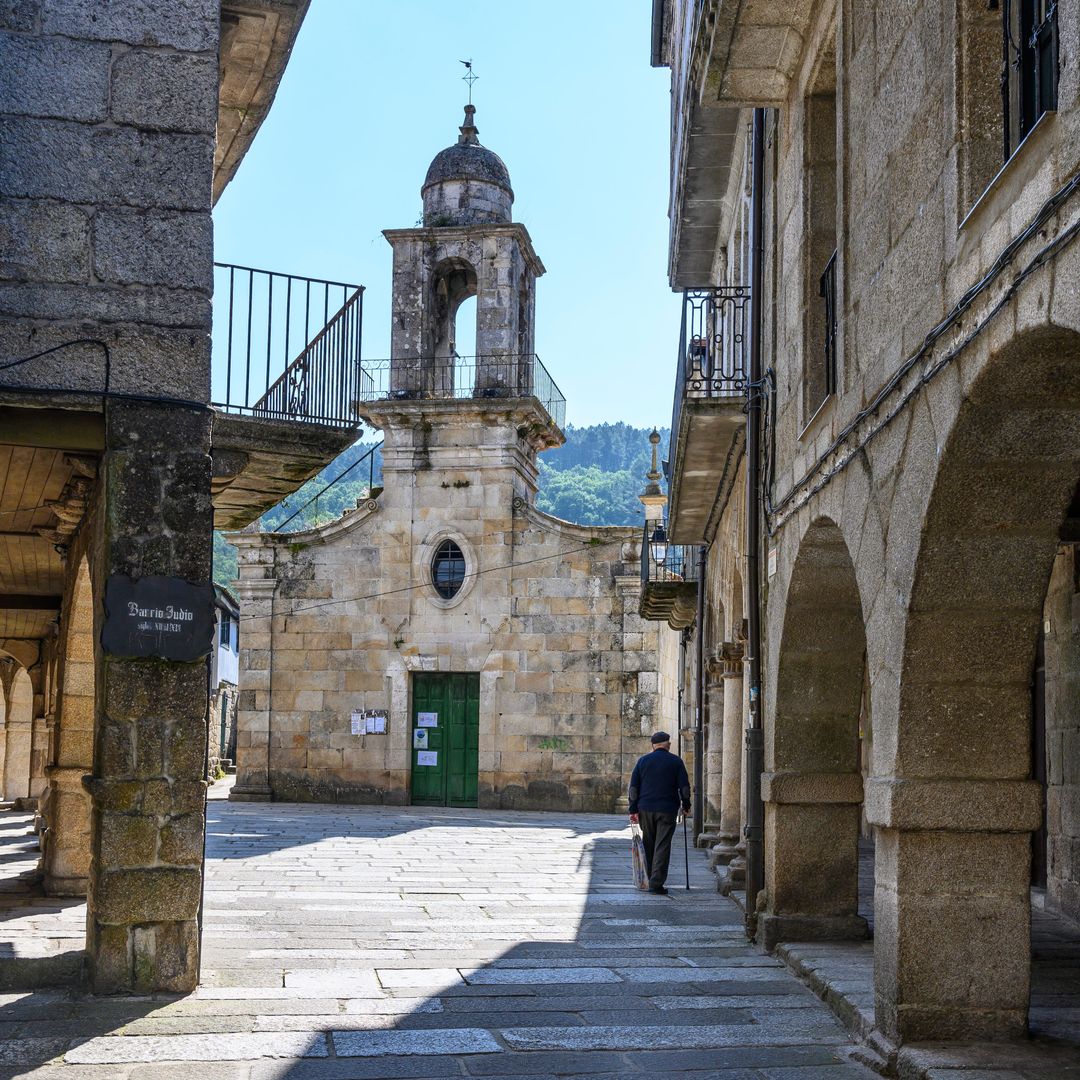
637	858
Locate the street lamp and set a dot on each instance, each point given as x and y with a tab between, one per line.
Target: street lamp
658	545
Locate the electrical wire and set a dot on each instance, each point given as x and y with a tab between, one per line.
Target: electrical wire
56	348
318	495
585	544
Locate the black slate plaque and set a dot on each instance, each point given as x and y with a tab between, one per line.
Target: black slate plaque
164	617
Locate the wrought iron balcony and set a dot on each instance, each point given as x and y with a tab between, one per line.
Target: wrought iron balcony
710	402
669	579
287	347
286	381
464	377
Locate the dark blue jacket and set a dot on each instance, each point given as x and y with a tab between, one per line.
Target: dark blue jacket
658	784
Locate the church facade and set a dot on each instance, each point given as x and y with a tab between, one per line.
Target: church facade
447	643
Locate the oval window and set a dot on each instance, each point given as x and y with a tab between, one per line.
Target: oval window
448	569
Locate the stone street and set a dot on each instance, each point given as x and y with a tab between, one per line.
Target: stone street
344	943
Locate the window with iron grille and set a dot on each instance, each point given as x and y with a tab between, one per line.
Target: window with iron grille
448	569
1029	68
827	291
820	309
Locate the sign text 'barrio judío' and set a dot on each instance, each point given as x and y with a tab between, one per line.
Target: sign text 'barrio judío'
163	617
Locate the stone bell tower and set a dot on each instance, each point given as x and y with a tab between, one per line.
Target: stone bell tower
447	389
468	246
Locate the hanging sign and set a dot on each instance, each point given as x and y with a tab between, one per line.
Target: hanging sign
163	617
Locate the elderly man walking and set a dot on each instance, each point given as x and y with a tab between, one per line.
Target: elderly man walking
658	788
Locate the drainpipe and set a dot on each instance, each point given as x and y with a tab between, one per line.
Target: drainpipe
755	736
699	701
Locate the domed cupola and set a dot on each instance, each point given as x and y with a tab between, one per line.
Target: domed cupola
467	184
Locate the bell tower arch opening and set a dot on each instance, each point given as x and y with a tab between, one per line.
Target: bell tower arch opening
473	271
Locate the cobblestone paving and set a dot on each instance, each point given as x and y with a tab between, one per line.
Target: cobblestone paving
344	943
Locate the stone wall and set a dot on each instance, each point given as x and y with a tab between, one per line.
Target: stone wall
221	700
915	515
931	492
108	144
570	676
106	190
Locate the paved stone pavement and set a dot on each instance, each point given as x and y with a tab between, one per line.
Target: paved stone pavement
344	943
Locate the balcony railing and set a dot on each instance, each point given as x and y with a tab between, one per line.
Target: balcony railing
712	346
669	579
464	377
667	563
287	347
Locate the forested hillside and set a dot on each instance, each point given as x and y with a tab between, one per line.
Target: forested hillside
594	479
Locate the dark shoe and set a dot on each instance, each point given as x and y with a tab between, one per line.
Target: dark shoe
658	890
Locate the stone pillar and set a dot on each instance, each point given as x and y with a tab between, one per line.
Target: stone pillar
67	814
18	734
256	598
149	787
952	914
39	731
39	753
811	857
714	752
730	831
66	848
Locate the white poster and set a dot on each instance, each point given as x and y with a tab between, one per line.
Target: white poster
380	725
357	724
427	757
419	739
427	719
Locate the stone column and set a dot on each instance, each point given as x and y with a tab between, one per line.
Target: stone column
256	596
714	751
18	733
952	917
730	831
811	857
149	787
39	732
67	815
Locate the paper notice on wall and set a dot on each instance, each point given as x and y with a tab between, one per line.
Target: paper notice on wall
380	724
427	757
357	723
427	719
369	725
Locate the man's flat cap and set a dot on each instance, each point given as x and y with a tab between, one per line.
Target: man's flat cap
660	737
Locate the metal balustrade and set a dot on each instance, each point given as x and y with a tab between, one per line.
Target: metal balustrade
712	346
287	347
456	377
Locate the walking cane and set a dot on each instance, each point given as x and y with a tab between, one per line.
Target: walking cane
686	852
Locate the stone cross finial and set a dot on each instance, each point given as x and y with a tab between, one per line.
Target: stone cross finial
469	130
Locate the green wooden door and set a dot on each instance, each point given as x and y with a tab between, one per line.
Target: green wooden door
445	755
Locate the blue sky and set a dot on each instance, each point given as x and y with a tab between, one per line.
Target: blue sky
566	97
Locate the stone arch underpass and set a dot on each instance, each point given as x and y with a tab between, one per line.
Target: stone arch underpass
956	806
812	786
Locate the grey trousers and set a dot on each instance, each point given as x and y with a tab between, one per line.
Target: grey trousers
657	831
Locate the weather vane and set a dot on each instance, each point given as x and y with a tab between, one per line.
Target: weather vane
469	76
